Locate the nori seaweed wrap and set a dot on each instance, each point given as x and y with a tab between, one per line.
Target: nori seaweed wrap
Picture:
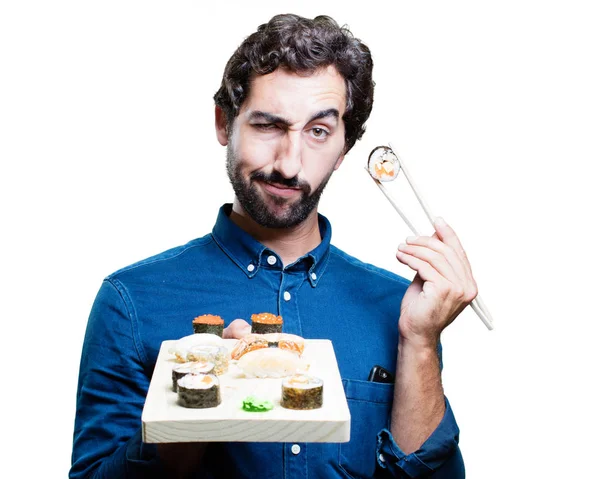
302	392
198	391
191	367
209	324
265	323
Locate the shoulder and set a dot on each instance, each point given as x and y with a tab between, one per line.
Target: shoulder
352	265
167	260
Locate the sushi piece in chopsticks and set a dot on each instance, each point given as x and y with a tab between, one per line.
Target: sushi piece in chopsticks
383	164
192	367
208	323
198	391
265	323
252	342
301	391
271	363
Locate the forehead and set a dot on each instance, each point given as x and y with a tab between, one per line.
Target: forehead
294	95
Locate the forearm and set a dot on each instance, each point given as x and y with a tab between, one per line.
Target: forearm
418	405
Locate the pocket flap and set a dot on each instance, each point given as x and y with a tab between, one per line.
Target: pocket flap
368	391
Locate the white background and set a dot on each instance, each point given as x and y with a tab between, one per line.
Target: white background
108	155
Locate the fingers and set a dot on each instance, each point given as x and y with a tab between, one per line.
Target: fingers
237	329
444	254
447	235
425	269
439	256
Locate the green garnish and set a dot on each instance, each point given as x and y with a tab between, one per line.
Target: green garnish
253	404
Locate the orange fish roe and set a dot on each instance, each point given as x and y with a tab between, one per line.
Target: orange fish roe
208	319
267	318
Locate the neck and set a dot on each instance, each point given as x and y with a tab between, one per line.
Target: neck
289	243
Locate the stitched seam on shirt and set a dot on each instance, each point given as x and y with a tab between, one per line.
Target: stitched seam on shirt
370	268
231	256
120	287
150	261
414	454
326	259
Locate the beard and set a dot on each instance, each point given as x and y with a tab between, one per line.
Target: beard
250	198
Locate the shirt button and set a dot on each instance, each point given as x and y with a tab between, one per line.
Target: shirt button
271	260
313	276
287	296
250	267
381	458
295	449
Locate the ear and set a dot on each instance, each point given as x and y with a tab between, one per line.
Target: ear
221	125
338	163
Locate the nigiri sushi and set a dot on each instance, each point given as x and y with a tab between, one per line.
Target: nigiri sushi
252	342
271	363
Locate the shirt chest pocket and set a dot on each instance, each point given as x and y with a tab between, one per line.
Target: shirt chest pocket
370	406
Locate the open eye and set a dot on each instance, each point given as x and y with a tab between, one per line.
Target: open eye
319	133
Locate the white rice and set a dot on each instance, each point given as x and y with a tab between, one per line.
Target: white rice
197	381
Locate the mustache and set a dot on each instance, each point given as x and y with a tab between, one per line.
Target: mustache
276	177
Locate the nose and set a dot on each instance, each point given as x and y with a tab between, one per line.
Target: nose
288	160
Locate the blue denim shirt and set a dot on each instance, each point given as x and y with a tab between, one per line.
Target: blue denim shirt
325	294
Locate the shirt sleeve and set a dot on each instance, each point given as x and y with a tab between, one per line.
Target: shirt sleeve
110	395
439	451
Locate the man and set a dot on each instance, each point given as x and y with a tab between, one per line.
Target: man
293	101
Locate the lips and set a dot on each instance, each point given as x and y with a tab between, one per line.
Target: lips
276	189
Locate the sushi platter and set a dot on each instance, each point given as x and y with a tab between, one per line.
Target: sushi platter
164	420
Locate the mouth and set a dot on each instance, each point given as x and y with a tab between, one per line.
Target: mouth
279	190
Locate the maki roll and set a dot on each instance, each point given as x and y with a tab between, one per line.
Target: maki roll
301	391
198	391
192	367
383	164
208	323
182	346
265	323
218	355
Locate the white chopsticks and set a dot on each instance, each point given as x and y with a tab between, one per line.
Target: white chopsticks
477	304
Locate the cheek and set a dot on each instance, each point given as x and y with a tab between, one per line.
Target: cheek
255	154
316	168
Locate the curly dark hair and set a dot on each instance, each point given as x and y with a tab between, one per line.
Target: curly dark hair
302	45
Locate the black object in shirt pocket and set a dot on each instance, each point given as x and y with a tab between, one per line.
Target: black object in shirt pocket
370	405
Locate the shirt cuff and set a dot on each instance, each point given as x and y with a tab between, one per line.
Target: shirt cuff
438	447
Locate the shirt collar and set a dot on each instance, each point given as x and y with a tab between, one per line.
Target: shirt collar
250	255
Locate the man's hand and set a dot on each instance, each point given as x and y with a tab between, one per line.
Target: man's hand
237	329
441	289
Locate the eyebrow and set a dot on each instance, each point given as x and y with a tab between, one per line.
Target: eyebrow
263	115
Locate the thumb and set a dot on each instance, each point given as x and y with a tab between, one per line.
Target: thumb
237	329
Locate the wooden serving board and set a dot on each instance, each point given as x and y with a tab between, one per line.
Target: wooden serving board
163	420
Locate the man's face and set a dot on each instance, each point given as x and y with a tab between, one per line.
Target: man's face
285	143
